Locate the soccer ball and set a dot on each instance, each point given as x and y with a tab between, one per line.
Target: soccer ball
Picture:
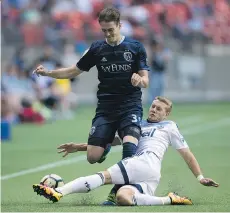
52	181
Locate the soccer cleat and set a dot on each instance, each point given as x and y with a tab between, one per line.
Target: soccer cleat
178	200
106	151
47	192
111	200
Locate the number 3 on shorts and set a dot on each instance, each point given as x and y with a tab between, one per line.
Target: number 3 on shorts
135	118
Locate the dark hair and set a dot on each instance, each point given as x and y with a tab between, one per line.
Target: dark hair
109	14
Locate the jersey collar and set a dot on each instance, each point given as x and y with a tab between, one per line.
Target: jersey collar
148	121
122	39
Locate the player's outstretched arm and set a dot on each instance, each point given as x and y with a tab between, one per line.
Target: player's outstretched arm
62	73
195	168
71	148
76	147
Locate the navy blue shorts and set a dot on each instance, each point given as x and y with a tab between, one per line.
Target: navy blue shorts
104	126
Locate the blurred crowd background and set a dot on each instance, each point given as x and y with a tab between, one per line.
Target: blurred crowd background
187	42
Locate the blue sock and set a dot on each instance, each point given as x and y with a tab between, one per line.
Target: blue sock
129	149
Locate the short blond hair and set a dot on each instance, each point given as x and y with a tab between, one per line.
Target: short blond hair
166	101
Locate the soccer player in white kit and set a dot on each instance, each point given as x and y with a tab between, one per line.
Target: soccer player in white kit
141	173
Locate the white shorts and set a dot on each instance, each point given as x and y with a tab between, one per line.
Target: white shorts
142	170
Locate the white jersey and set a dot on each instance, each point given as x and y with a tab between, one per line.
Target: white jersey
158	136
144	168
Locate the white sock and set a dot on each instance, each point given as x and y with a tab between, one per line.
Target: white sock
148	200
82	184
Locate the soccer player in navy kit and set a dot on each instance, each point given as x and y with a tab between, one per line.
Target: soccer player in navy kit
122	72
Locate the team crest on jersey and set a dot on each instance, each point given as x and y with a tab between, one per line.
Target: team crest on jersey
128	56
93	128
160	127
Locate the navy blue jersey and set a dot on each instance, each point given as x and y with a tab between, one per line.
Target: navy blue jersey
115	65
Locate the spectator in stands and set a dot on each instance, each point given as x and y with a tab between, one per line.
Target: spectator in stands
45	87
182	33
53	93
158	62
28	115
16	86
18	58
7	112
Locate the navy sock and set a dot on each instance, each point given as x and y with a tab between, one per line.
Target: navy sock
129	149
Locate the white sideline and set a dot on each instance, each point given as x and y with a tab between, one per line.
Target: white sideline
190	120
188	131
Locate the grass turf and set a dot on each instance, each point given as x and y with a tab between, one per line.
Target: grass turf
205	127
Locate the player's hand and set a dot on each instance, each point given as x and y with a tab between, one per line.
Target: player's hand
208	182
68	148
40	70
135	79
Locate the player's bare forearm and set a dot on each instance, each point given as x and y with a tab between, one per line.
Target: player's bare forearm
191	161
76	147
195	168
71	148
144	83
64	73
82	147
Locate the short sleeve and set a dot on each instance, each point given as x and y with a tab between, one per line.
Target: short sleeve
143	65
177	139
88	60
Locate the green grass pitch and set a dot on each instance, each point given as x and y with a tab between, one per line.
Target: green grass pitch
206	128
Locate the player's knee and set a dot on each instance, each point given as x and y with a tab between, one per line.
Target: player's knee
130	134
124	197
94	153
93	158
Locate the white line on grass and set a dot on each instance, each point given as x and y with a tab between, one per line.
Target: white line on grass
190	120
205	127
188	131
51	165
